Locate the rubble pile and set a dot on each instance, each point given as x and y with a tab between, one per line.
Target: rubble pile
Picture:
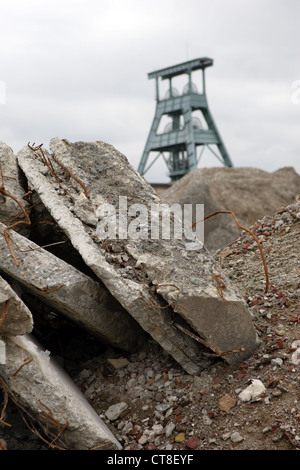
104	339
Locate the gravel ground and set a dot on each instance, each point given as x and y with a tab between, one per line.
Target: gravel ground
150	403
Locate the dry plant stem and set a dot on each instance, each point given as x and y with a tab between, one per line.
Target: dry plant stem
247	230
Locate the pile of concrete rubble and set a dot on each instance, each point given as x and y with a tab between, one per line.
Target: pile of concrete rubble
120	289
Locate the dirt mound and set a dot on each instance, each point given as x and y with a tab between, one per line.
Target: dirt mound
157	405
250	193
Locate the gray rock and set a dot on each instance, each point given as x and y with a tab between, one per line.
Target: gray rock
102	175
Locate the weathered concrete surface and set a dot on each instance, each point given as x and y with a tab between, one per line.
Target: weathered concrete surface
10	178
15	317
69	291
222	320
54	402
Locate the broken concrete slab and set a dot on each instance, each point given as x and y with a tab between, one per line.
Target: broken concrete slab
2	352
10	183
94	174
15	317
55	403
72	293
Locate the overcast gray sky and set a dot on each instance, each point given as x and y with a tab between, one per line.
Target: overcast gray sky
78	70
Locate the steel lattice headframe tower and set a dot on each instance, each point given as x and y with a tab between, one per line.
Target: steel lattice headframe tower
182	137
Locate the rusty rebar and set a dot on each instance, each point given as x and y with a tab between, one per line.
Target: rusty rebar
247	230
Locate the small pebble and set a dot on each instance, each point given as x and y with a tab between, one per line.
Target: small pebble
180	437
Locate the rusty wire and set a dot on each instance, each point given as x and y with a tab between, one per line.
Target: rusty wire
220	285
28	222
72	175
4	388
30	422
2	445
47	162
51	420
247	230
101	446
26	361
29	249
46	290
23	212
